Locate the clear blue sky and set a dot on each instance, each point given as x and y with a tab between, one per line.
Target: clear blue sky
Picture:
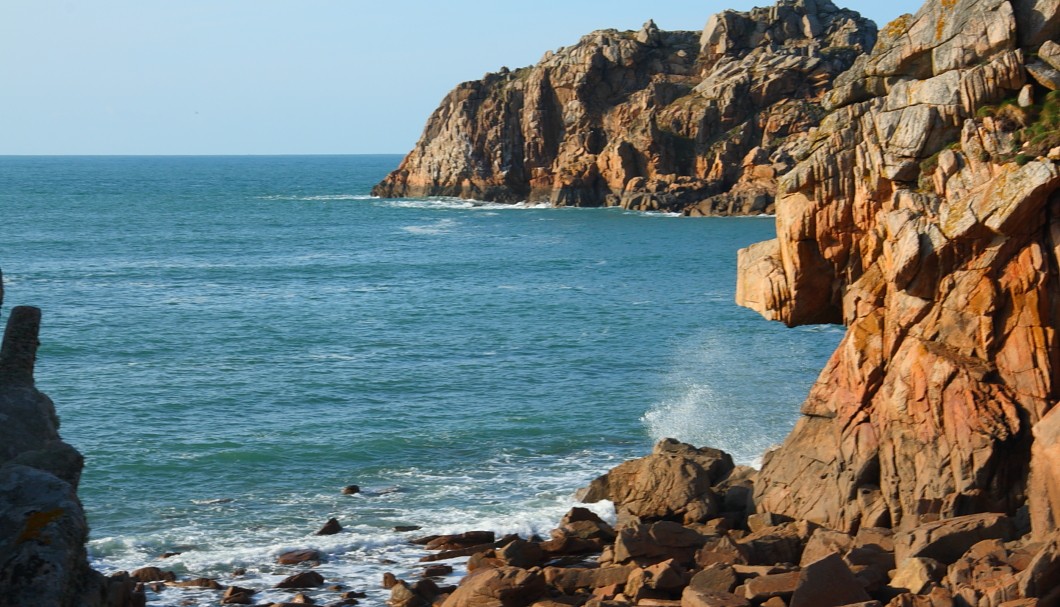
279	76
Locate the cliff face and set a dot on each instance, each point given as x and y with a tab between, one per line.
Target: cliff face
42	525
695	122
924	216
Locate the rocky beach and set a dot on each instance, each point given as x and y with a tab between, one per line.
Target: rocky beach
913	174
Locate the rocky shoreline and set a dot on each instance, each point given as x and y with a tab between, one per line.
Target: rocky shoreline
919	208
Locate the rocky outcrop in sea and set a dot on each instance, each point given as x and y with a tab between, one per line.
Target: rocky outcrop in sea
43	530
696	122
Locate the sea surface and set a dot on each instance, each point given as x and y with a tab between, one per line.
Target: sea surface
230	341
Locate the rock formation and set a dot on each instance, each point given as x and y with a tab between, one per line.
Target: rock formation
701	123
42	525
731	558
923	214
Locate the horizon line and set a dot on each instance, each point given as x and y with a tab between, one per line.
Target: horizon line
279	155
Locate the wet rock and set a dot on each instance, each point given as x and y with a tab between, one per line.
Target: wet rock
306	579
390	580
294	557
460	540
351	490
331	527
153	574
437	570
403	595
405	528
521	553
673	483
199	582
234	595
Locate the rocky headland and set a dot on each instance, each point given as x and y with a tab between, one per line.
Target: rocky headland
696	122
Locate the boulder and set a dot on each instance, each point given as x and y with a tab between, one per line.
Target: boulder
331	527
692	597
199	582
1041	579
763	587
917	575
673	483
153	574
715	578
294	557
825	542
827	582
460	540
437	570
521	553
234	595
305	579
658	542
780	544
503	586
947	540
570	580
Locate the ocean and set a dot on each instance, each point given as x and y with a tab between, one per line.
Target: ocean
230	341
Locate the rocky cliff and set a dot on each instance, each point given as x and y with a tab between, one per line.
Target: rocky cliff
701	123
924	215
42	525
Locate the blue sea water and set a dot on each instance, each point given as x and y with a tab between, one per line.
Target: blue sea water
232	340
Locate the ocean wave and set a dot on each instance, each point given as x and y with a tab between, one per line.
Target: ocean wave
460	204
320	197
439	227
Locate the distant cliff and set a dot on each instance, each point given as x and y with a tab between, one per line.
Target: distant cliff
701	123
926	217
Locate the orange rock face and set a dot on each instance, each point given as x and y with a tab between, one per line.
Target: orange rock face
683	121
912	220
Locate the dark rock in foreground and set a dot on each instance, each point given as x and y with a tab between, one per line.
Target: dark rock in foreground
43	530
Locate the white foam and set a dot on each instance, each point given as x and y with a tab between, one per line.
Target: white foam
439	227
317	198
461	204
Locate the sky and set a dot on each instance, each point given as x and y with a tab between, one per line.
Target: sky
280	76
